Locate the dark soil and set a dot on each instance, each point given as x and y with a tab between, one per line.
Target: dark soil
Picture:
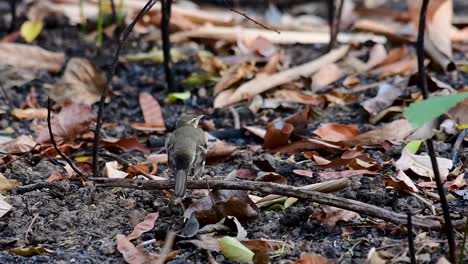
78	224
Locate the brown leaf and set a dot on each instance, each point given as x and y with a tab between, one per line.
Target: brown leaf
394	55
82	82
330	215
218	151
72	121
301	118
258	45
130	253
226	203
325	76
152	114
376	55
394	131
233	75
401	182
306	173
31	57
336	132
56	177
7	184
246	174
145	226
30	113
128	144
299	97
387	94
298	147
458	113
403	67
277	134
18	145
271	177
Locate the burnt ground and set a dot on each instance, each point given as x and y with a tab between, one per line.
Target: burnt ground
78	224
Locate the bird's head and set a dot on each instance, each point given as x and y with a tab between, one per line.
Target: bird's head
189	120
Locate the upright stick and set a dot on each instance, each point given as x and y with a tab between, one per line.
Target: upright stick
166	42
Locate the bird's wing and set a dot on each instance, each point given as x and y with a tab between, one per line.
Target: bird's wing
170	153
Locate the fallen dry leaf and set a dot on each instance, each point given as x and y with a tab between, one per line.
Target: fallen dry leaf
325	76
111	170
4	206
377	55
453	185
336	132
300	97
259	85
277	134
226	203
56	177
20	144
421	165
330	215
233	75
7	184
31	57
403	67
397	130
130	253
387	94
346	173
394	55
12	76
258	45
128	144
82	82
218	151
145	226
72	121
401	182
312	259
30	113
152	114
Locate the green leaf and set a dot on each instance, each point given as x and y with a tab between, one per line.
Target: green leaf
31	29
235	250
413	146
173	97
422	112
196	79
280	203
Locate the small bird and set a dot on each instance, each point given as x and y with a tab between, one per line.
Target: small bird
186	151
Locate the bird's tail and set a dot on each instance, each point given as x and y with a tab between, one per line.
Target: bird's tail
180	183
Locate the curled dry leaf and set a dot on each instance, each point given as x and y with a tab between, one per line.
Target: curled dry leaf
401	182
421	165
271	177
233	75
277	134
346	173
72	121
146	225
397	130
403	67
257	44
56	177
20	144
218	151
453	185
152	114
7	184
376	55
30	113
111	170
82	82
31	57
336	132
310	258
128	144
330	215
4	206
386	95
226	203
130	253
325	76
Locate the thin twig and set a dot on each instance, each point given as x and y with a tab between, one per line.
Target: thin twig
166	42
167	247
54	143
235	116
30	227
457	145
336	26
11	28
284	190
114	11
110	74
429	144
249	18
410	238
461	257
331	18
